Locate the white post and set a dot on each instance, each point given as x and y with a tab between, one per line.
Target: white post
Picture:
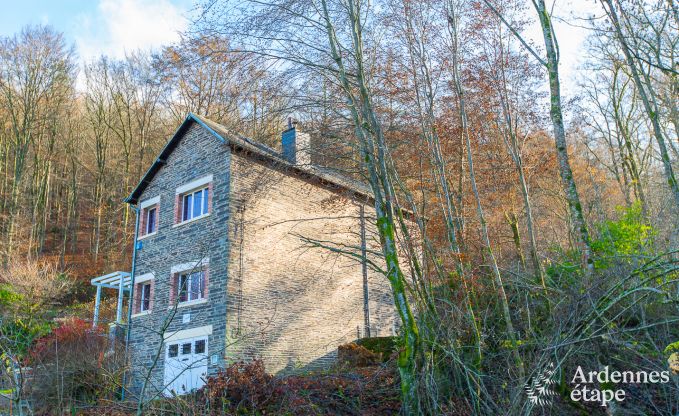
97	301
119	310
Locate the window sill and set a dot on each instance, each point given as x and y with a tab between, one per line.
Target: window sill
190	303
135	315
191	220
141	237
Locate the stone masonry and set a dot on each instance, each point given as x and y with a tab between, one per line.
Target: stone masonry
197	154
290	303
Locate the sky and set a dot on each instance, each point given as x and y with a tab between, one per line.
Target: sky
98	27
112	27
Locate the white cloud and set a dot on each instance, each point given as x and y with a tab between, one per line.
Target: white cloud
121	26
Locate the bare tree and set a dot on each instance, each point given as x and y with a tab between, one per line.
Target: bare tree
36	68
616	121
201	75
418	28
551	63
624	33
514	82
453	28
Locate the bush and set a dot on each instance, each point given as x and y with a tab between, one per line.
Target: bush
29	293
74	365
246	388
355	355
623	239
37	281
385	346
241	385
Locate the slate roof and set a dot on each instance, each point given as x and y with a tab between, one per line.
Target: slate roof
324	175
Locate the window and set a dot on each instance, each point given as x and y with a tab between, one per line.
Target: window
200	347
195	204
148	216
145	303
193	200
151	220
143	294
173	350
191	286
186	348
189	283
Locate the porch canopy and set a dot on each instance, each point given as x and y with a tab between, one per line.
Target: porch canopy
122	281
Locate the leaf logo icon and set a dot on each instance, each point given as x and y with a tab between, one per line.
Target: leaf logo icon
539	389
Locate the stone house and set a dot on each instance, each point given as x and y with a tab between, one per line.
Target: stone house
232	260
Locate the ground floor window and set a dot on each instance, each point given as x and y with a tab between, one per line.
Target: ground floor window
145	303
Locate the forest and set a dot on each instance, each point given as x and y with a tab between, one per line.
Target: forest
546	220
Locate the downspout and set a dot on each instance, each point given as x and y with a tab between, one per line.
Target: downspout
129	302
364	272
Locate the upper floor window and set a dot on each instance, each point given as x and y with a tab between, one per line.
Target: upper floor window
193	200
149	216
195	204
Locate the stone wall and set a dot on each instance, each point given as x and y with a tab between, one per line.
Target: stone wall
289	303
198	154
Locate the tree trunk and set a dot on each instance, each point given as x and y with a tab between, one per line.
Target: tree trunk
574	205
516	237
535	259
369	132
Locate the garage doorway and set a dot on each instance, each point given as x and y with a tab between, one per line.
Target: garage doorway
185	365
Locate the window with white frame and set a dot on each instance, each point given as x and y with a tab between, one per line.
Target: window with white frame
189	282
195	204
191	286
151	220
193	200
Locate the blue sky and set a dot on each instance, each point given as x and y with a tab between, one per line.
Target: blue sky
99	27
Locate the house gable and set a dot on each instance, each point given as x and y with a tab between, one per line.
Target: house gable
161	160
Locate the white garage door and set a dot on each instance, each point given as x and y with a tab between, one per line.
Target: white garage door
185	365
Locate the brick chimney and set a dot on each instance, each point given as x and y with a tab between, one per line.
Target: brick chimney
296	145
